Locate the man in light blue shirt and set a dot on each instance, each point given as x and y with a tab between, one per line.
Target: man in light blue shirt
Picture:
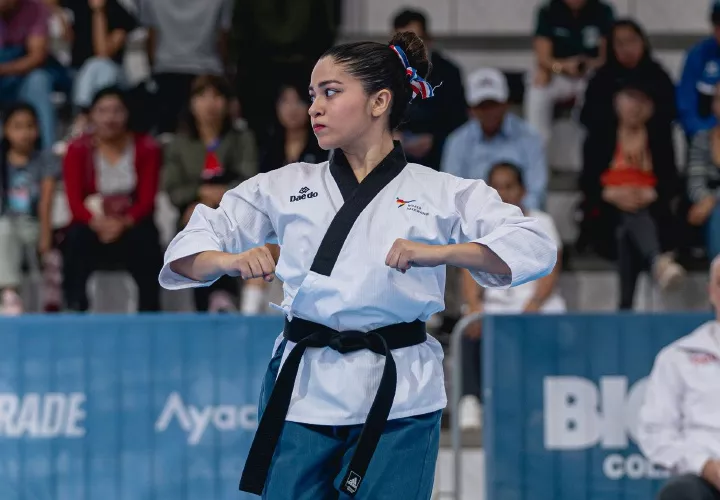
496	136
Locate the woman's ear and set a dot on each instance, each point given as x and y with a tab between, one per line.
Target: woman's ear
381	103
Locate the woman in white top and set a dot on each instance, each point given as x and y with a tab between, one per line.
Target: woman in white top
540	296
364	240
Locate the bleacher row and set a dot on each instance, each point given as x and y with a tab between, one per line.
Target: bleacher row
588	285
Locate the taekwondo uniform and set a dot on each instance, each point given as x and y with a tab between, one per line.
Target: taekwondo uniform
335	234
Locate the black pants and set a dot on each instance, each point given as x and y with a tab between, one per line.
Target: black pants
638	246
137	251
688	487
472	367
173	99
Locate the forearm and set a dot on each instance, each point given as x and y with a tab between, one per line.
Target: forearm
45	206
100	35
545	287
22	65
203	266
472	293
475	257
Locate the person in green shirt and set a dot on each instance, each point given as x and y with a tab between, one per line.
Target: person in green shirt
570	42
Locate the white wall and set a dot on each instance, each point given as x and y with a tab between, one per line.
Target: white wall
515	17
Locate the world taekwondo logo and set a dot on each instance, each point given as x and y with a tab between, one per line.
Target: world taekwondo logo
304	193
401	203
410	204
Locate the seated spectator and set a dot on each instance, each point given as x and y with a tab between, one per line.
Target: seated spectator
570	42
495	135
27	185
292	139
203	161
99	31
185	39
678	424
700	74
541	296
111	180
629	60
704	181
430	121
24	42
630	179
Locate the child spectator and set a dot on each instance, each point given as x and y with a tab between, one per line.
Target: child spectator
633	171
28	179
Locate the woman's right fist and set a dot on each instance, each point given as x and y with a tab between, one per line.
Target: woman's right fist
255	263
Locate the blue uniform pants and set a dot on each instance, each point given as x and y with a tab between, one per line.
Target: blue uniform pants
311	460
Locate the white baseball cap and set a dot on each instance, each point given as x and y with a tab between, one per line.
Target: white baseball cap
486	84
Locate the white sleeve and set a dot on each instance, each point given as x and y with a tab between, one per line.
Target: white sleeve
660	433
240	223
518	240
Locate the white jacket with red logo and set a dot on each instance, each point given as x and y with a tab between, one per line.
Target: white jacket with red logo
679	424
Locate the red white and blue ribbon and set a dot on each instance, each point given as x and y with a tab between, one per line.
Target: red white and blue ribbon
419	85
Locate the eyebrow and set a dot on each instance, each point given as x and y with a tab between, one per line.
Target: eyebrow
325	83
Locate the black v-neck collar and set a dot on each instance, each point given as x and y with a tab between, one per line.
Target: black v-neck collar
386	170
357	196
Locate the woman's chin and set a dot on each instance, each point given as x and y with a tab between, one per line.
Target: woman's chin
325	143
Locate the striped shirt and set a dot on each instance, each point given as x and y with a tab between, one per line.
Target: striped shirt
703	172
294	205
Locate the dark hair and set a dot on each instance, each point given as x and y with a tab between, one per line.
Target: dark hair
639	31
8	112
298	86
378	67
112	91
507	166
188	124
407	16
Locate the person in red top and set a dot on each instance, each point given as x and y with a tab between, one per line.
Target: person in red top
111	180
635	174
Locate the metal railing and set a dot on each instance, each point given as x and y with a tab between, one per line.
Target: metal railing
456	394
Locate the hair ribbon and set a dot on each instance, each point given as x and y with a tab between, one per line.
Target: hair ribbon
420	86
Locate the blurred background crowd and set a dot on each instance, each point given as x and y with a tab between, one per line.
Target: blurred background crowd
119	116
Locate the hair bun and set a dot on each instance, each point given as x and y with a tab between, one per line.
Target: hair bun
415	49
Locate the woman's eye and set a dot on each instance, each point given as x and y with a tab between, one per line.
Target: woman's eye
312	98
330	92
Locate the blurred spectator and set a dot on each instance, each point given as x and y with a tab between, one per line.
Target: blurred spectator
27	184
186	38
292	139
629	60
539	296
704	181
111	179
23	55
570	42
203	161
282	38
678	425
699	76
630	179
99	32
494	136
430	121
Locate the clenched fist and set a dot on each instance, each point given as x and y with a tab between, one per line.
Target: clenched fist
255	263
405	254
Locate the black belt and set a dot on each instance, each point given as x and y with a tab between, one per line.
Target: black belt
308	334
